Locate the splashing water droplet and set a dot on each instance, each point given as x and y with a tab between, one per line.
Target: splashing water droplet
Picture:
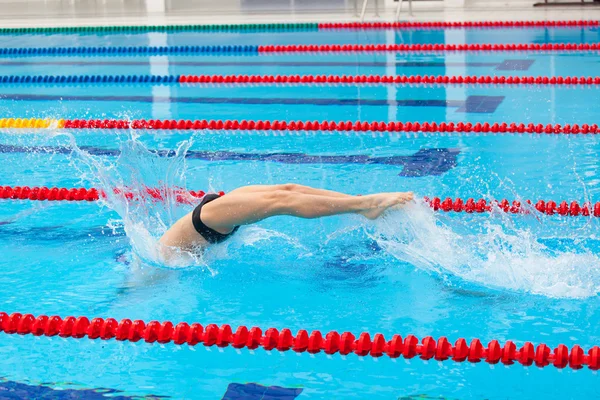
487	250
143	187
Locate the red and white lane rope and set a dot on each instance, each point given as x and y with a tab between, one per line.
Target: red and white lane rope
461	24
388	80
428	48
316	342
469	205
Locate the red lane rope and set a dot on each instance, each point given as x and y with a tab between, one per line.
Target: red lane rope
317	342
469	205
390	80
426	48
43	193
550	207
462	24
347	126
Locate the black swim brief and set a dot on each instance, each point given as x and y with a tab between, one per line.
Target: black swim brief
210	235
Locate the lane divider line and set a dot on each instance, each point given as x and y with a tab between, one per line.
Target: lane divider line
114	29
282	49
43	193
122	50
550	207
302	79
428	48
300	126
316	342
287	27
450	24
384	79
457	205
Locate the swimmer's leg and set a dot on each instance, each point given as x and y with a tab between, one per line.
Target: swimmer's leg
292	187
231	210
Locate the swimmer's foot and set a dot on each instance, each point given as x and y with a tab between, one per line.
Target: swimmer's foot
373	213
385	201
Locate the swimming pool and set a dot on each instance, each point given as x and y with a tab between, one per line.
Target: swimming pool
524	277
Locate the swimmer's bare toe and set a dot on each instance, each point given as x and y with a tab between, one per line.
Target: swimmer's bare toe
402	200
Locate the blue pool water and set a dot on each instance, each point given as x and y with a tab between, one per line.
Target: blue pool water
520	278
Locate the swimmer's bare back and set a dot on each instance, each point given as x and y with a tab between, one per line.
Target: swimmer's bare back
214	220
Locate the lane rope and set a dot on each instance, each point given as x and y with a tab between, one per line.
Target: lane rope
450	24
316	342
301	79
121	50
428	48
299	126
286	27
449	204
323	48
387	79
550	207
43	193
282	27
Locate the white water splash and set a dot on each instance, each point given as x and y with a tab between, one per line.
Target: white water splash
253	235
487	251
484	249
144	218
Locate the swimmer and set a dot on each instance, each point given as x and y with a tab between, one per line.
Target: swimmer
217	218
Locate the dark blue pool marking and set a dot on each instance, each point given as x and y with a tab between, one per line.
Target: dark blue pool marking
462	105
481	104
235	391
515	65
353	264
12	231
254	391
425	397
425	162
506	65
18	391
